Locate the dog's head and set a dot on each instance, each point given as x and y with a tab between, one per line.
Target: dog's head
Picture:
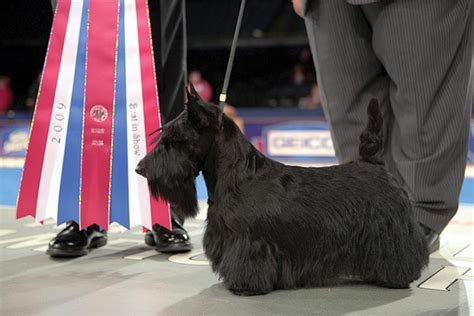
180	151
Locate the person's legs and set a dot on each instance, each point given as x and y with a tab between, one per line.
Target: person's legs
168	22
169	43
349	73
426	48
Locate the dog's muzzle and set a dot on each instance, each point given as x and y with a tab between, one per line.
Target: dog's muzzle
140	170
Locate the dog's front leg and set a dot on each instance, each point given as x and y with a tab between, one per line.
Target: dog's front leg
249	267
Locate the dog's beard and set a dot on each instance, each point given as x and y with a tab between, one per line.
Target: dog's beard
171	177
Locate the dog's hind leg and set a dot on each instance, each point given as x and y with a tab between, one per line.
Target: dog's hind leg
249	267
394	259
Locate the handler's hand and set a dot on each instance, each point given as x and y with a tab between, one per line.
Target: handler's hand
298	7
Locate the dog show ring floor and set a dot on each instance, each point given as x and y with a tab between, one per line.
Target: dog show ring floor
128	278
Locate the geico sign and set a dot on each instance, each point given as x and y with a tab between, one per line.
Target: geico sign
300	143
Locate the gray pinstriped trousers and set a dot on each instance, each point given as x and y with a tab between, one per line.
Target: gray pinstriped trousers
415	57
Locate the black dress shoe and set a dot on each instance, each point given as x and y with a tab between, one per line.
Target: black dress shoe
169	241
432	238
73	242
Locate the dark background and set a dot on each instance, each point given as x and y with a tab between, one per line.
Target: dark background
272	37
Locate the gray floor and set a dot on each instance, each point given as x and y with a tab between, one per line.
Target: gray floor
128	278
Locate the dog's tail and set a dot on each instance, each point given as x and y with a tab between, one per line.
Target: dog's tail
371	139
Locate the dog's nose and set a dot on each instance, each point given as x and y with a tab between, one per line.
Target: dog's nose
140	170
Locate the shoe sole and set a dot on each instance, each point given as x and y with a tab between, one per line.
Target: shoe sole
173	248
69	253
169	248
63	253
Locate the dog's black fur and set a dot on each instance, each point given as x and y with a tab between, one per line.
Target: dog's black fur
272	226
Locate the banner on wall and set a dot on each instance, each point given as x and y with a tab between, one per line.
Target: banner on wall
97	106
13	141
306	141
298	141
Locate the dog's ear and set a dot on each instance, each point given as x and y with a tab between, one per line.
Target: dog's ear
189	97
196	112
193	98
194	93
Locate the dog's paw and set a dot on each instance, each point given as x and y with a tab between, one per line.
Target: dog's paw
246	292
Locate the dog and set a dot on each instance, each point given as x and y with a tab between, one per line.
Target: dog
272	226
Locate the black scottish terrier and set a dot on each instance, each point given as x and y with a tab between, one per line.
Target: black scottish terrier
272	226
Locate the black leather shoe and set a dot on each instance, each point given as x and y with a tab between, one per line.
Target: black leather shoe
166	241
73	242
432	238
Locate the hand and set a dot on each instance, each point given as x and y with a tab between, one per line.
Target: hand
298	7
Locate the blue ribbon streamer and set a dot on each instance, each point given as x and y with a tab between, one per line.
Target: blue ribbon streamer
68	207
119	204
